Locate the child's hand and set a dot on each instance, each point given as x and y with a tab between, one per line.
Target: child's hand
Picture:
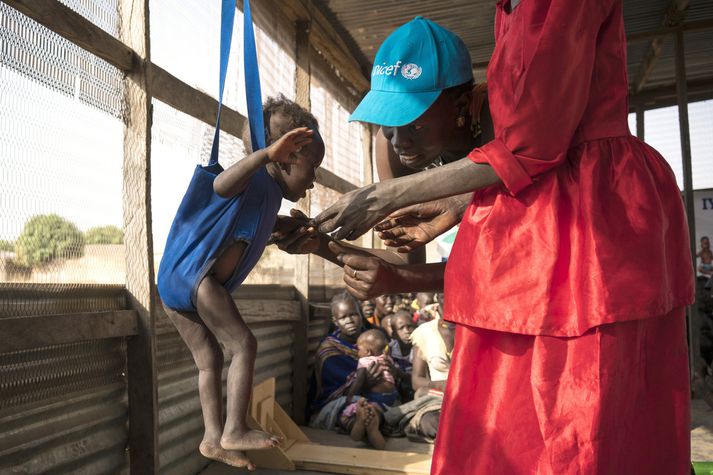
295	235
286	148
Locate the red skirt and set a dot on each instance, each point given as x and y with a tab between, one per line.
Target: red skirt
615	400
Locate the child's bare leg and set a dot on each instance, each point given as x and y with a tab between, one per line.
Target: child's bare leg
208	357
373	434
217	309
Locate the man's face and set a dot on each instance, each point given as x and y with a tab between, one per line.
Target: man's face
404	328
385	304
421	142
345	316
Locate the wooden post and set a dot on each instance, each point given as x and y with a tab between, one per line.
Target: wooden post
141	349
366	140
640	121
302	262
682	96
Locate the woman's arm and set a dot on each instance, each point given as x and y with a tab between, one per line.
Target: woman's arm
359	210
357	385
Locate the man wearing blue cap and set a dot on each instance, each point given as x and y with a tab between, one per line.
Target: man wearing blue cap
570	353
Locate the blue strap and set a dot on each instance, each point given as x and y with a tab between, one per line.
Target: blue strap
252	82
227	19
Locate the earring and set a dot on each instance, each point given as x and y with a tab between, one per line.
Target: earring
460	121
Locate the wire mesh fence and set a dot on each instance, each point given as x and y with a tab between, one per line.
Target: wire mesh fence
60	158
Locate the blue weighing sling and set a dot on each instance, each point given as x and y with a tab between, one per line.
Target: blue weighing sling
206	224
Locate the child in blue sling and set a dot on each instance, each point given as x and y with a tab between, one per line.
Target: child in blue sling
207	258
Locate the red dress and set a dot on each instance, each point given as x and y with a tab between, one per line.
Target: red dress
568	280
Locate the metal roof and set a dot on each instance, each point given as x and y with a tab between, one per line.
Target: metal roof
366	23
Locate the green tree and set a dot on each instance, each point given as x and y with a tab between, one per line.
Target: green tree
47	237
104	235
7	246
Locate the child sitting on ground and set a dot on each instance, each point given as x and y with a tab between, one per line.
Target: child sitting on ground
401	351
364	416
202	267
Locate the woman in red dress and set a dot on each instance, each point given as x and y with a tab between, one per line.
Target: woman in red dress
570	352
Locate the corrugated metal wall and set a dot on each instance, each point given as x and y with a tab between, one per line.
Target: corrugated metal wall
63	408
180	420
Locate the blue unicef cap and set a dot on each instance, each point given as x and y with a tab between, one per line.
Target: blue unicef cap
413	65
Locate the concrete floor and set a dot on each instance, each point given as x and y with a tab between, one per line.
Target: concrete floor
701	443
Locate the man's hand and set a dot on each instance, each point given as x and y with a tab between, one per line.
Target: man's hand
365	275
414	226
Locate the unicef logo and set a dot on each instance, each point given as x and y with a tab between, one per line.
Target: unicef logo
411	71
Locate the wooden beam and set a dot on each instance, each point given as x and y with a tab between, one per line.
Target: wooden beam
141	349
673	17
682	96
172	91
334	182
666	96
22	333
302	262
328	42
640	122
689	27
77	29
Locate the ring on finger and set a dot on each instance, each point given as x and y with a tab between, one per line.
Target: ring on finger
355	273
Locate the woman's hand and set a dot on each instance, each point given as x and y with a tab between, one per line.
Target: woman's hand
294	234
414	226
356	212
286	148
365	275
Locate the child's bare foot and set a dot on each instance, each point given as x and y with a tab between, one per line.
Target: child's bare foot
250	440
373	434
233	458
359	428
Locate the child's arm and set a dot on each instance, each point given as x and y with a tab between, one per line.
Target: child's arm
358	385
234	180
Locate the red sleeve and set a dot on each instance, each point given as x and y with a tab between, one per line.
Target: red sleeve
539	80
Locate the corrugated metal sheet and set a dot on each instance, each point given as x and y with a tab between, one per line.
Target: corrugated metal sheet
369	22
180	419
63	409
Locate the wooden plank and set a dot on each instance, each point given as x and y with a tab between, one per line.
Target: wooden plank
288	426
77	29
141	349
303	82
21	333
665	96
255	311
640	122
334	182
179	95
274	458
692	26
358	461
682	96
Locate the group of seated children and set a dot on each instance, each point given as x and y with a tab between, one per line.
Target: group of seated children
383	369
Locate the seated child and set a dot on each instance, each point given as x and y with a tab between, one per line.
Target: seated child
372	347
401	351
196	291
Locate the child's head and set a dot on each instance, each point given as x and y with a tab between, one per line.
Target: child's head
345	314
705	242
402	326
282	115
424	298
371	343
367	308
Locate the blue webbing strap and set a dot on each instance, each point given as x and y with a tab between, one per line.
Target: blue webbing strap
252	82
227	18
